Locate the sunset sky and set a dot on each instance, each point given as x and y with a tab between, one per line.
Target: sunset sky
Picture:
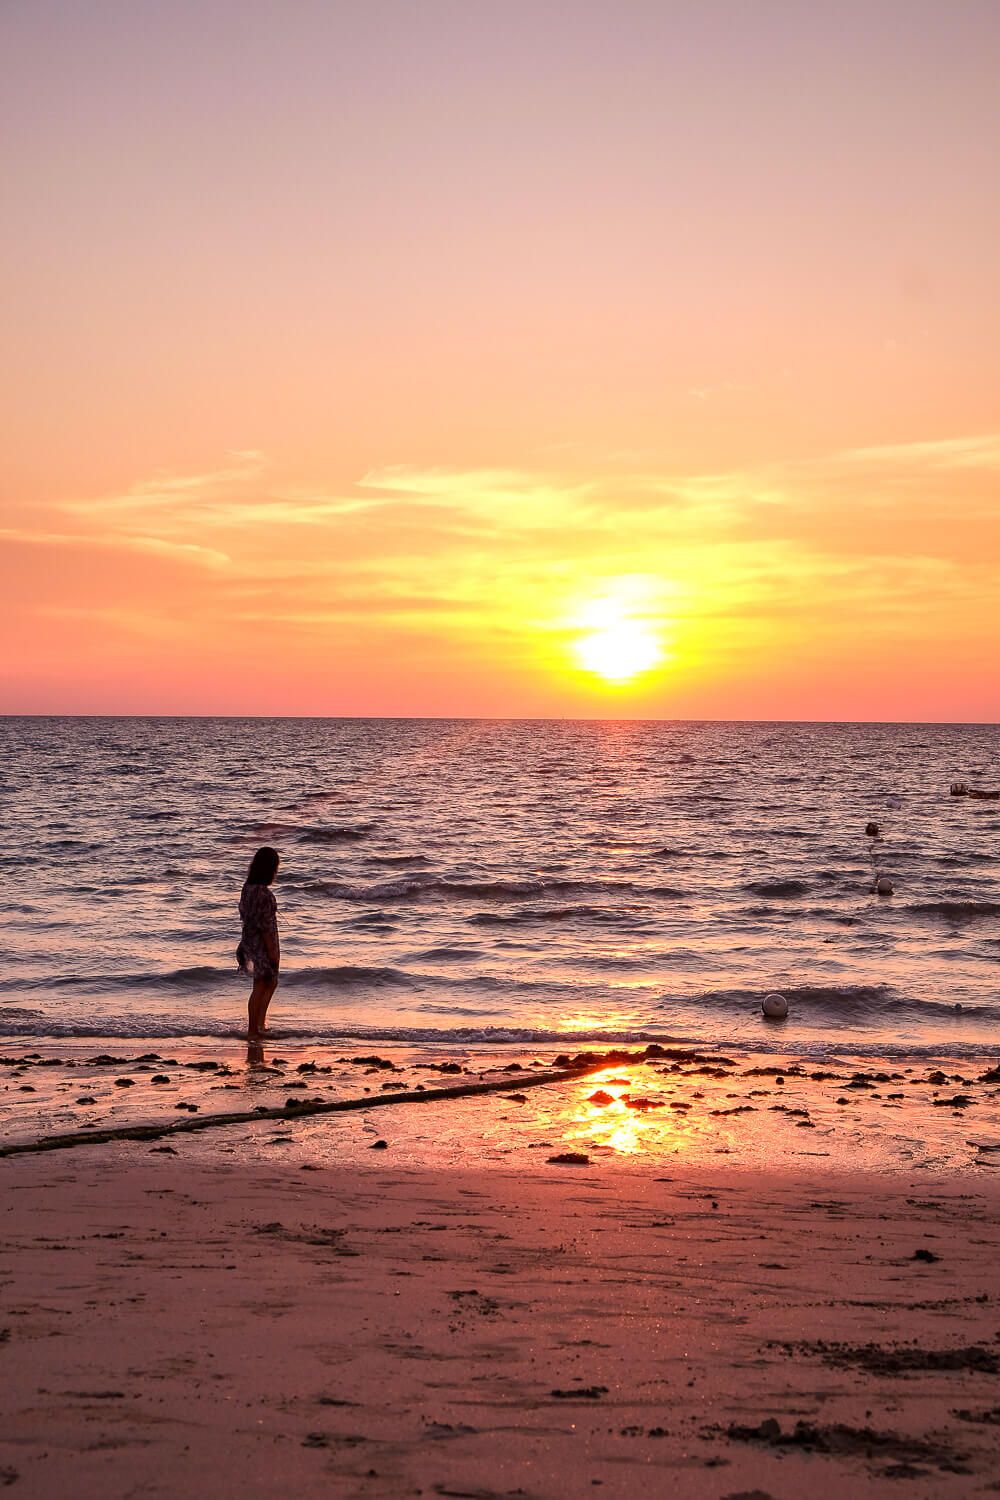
501	357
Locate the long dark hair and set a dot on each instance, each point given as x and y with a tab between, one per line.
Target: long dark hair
263	866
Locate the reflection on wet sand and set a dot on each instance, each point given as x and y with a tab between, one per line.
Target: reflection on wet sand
676	1104
614	1113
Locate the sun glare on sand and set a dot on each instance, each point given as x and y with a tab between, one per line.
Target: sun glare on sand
616	647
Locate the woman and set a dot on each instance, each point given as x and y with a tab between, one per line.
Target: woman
258	953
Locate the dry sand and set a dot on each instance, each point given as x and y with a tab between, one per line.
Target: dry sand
258	1313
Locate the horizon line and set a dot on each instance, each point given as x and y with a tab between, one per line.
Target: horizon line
501	719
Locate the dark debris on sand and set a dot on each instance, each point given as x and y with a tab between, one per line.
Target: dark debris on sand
903	1359
844	1441
989	1417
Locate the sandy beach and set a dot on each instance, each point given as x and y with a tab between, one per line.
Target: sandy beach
708	1307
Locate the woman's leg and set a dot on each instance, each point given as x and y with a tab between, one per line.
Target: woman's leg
269	988
257	1005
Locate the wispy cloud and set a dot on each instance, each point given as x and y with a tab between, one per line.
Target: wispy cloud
241	493
981	451
170	491
508	496
190	552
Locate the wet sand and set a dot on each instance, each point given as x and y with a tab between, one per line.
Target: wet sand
714	1302
647	1105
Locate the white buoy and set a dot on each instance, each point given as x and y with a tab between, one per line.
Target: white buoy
775	1007
883	886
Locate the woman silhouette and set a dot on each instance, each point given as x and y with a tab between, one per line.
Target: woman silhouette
259	953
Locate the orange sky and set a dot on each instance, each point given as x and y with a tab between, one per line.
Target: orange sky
357	355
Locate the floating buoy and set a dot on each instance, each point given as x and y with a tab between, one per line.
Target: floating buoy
872	831
775	1007
883	886
959	789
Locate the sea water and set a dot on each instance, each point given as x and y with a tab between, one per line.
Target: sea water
505	881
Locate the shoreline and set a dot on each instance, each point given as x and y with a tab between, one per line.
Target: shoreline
933	1114
843	1044
636	1107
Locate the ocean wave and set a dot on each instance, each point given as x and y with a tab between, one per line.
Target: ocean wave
345	833
448	953
956	911
204	977
197	977
423	884
138	1027
530	915
150	1027
336	833
344	975
468	1011
853	1004
397	859
795	915
777	889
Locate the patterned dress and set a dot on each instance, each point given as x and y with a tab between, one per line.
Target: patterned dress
259	913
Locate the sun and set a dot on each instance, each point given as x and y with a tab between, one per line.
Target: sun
617	648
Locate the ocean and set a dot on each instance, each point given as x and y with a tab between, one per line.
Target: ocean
505	881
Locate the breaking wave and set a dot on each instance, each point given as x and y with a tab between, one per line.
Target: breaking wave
138	1027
